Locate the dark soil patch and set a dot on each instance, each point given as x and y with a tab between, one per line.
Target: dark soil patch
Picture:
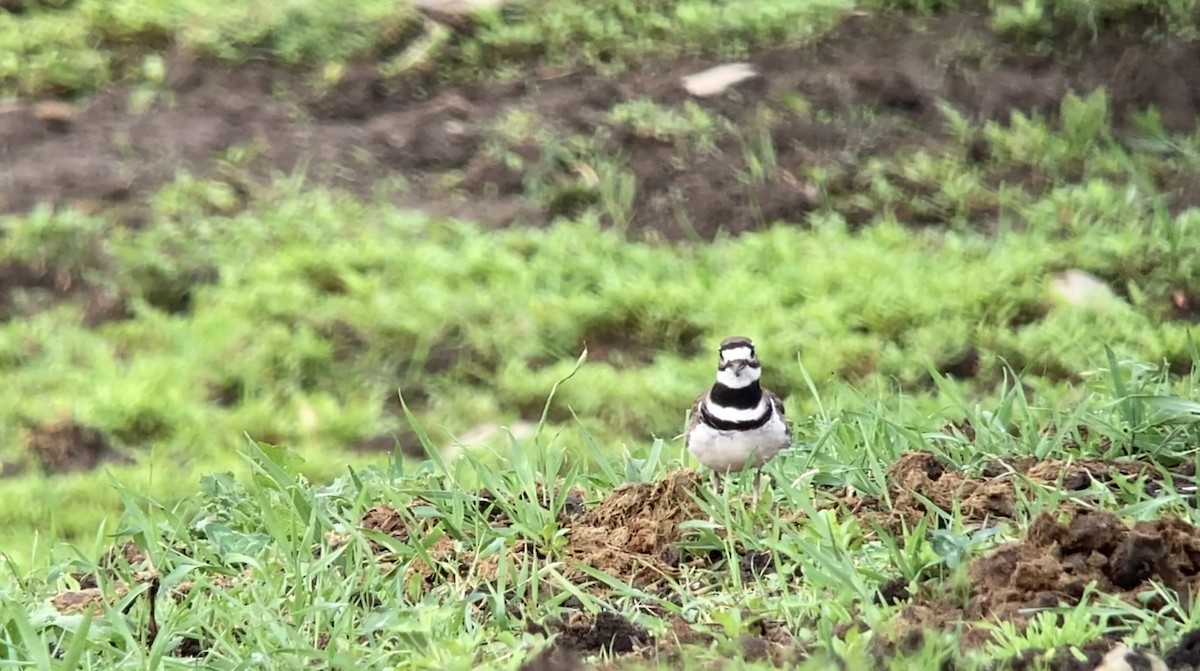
191	647
629	341
1064	659
16	275
1053	564
106	153
11	469
964	365
406	440
894	591
66	447
1185	306
1056	561
1186	654
582	635
607	633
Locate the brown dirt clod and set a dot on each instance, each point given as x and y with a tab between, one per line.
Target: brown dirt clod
919	476
80	601
627	534
607	633
1056	561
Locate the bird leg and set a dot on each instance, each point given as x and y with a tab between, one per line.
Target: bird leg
757	487
718	482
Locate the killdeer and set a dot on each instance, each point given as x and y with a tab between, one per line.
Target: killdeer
736	422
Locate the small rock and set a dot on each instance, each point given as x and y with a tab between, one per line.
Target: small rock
715	81
1081	289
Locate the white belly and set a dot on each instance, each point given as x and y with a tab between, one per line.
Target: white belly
733	450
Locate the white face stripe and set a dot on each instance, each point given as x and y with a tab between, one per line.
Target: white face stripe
735	414
737	353
737	380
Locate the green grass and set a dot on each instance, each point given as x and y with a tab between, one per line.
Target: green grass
276	563
296	316
71	48
90	43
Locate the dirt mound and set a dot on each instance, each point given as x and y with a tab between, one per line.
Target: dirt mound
552	658
1056	561
920	484
629	534
611	635
1053	565
1100	655
606	632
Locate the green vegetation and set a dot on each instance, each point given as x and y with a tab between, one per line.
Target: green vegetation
274	563
296	319
209	384
55	46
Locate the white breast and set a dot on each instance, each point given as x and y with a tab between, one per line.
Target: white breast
733	450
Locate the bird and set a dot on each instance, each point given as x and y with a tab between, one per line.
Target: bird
736	422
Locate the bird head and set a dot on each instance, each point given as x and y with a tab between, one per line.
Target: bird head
737	366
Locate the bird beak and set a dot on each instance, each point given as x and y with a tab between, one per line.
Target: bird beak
738	367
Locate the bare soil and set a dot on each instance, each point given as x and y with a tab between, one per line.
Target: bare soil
921	485
1057	559
871	90
106	153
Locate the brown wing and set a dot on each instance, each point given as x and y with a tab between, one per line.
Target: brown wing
693	418
778	405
